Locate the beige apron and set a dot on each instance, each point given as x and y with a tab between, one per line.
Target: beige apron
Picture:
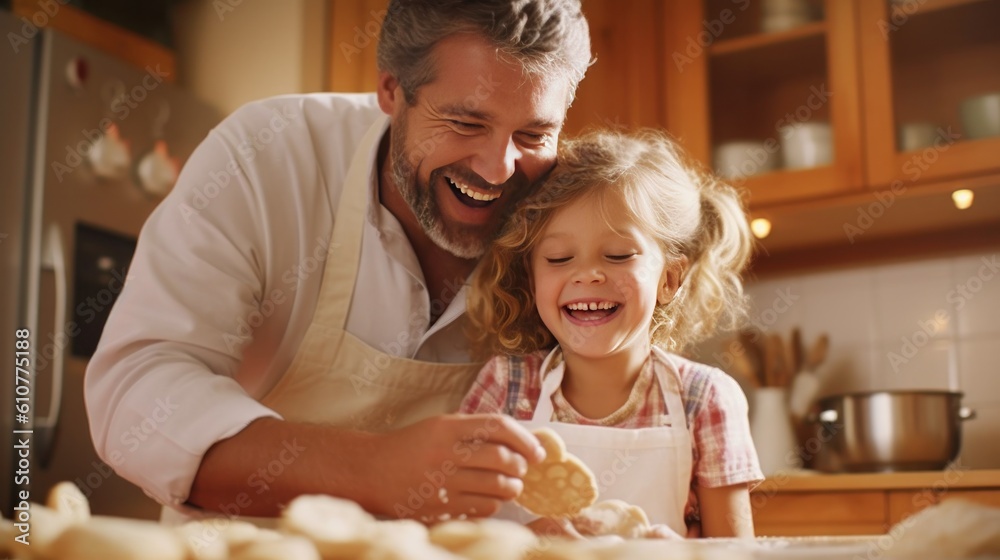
647	467
337	379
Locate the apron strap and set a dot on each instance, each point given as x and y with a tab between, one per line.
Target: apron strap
344	252
667	376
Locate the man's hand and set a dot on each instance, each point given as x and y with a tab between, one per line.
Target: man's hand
453	465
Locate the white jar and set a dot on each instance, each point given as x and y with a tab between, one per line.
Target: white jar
806	144
771	428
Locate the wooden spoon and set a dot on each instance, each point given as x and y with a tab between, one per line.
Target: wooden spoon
778	360
750	340
817	354
746	370
796	351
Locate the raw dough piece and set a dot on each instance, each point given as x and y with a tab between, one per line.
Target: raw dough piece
559	486
282	548
67	499
339	528
111	538
955	528
612	517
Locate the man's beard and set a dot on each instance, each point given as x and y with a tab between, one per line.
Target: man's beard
462	241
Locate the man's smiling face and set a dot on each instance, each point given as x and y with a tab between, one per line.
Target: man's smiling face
476	138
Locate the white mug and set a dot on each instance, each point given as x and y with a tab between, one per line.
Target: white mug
806	144
739	159
916	135
981	116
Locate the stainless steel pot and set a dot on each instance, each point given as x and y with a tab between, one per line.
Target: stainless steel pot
891	430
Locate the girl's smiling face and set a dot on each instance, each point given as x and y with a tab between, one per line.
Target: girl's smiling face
595	285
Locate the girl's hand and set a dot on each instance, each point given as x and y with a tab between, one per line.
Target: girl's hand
551	528
662	532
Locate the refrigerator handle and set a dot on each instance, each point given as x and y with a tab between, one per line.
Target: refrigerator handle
53	258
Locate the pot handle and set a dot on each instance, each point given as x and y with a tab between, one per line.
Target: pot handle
966	413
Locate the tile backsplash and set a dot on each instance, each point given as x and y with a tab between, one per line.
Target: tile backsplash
923	324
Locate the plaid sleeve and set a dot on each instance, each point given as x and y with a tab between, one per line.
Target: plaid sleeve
725	454
488	393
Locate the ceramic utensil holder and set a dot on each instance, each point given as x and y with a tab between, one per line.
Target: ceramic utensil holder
771	428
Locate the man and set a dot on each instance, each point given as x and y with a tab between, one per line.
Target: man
293	317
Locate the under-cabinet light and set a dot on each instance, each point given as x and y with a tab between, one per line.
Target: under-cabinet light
962	198
761	227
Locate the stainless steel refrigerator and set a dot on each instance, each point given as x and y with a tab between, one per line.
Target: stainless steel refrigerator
90	146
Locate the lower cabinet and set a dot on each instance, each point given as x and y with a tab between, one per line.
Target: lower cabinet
845	512
902	504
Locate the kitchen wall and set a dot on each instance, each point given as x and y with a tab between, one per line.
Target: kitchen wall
922	324
230	52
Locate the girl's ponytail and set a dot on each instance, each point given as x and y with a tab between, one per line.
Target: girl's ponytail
712	296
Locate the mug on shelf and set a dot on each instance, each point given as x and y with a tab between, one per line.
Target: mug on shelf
981	115
916	135
806	144
743	158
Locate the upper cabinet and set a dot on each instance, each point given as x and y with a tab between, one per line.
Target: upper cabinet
771	101
624	86
847	121
932	80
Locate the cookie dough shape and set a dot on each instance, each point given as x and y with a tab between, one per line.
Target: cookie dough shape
561	485
484	539
612	517
339	528
110	538
67	499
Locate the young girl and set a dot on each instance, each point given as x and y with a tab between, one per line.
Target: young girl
624	257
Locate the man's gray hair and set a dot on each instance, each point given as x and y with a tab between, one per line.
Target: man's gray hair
546	37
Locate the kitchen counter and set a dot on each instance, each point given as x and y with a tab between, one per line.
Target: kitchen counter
812	503
811	481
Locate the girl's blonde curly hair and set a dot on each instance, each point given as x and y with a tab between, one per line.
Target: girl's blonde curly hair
690	214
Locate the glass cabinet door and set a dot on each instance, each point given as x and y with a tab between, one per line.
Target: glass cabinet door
773	86
932	90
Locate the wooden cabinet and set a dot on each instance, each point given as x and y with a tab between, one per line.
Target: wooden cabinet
705	71
624	87
902	504
865	67
727	81
353	37
819	513
922	60
861	504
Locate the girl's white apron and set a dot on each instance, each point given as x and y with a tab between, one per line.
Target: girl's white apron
647	467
